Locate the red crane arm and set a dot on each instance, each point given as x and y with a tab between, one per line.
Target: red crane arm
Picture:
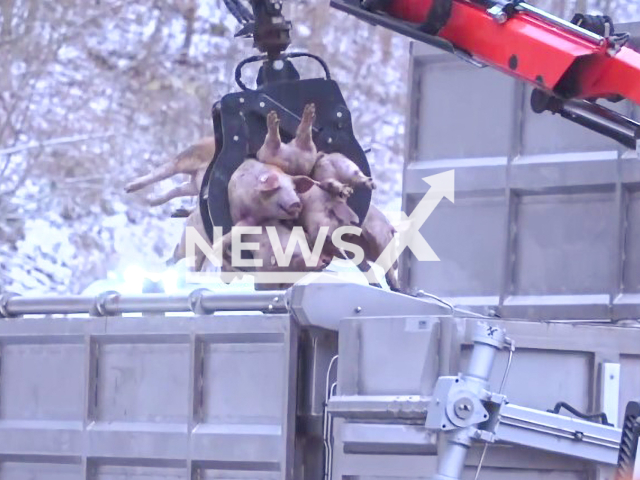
535	50
570	67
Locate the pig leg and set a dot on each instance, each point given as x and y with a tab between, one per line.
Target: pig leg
187	189
200	259
382	257
180	252
227	271
304	133
392	278
161	173
354	177
335	188
348	172
272	142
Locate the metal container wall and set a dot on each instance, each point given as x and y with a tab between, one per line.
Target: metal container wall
591	368
152	397
546	218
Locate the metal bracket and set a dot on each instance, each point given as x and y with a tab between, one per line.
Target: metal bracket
502	10
498	14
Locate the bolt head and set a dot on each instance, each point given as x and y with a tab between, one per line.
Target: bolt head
358	309
236	138
262	104
463	408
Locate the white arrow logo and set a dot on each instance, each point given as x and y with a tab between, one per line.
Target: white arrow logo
408	230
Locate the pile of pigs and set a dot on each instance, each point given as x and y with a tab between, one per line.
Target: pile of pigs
284	186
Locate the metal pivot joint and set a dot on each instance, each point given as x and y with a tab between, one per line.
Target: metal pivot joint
460	404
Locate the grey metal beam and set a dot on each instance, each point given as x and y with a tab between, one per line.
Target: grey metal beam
380	407
560	434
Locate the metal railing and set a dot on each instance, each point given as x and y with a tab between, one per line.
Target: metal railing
201	301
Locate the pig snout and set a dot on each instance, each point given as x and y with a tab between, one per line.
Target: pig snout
293	208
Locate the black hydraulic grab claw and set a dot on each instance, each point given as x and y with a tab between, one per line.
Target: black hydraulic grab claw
240	128
239	119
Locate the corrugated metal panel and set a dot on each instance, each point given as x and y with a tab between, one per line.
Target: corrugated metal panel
546	212
150	397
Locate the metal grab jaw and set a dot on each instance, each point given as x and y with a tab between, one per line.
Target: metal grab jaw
464	410
239	119
240	128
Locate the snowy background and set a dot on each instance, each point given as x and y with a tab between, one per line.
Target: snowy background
96	92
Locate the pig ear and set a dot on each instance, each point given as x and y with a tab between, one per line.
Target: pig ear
268	182
303	183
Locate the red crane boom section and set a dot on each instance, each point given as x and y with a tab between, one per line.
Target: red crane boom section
535	50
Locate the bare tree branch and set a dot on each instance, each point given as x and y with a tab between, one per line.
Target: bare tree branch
6	7
52	142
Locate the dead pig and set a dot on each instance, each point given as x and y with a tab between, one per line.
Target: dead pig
376	233
296	157
331	167
259	192
194	220
322	208
192	161
326	207
280	234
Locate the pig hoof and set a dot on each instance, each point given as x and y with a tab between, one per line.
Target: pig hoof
345	192
272	120
309	111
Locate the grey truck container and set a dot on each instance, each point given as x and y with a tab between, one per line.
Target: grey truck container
243	396
546	220
153	397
